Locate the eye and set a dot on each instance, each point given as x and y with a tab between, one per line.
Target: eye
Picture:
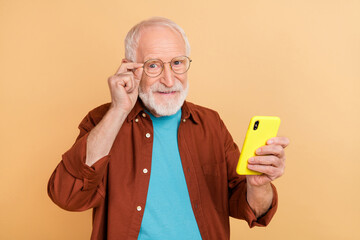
177	62
153	65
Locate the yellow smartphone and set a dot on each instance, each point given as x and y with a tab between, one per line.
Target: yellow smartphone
261	129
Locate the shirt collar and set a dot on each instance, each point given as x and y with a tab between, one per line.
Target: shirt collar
187	111
137	109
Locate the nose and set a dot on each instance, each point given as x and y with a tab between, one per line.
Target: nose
167	76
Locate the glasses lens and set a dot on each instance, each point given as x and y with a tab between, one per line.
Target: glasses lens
180	64
153	68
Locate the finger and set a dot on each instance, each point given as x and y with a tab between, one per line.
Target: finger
129	84
270	160
283	141
138	72
266	169
118	77
276	150
128	66
121	80
270	171
127	80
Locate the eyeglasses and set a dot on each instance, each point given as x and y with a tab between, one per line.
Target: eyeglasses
179	65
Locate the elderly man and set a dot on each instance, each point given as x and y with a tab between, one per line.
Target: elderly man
153	166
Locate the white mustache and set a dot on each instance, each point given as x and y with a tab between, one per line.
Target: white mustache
159	87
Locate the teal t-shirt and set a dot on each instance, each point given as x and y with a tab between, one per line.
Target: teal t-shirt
168	213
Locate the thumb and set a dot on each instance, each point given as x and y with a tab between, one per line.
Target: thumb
138	72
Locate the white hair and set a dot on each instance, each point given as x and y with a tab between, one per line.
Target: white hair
133	36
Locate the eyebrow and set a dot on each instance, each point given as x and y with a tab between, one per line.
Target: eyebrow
161	59
155	56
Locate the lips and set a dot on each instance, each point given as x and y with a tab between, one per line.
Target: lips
169	92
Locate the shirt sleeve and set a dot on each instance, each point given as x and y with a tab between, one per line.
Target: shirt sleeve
75	186
238	205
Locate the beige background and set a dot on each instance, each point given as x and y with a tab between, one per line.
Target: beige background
299	60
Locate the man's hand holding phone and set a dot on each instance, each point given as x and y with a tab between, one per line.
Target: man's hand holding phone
269	160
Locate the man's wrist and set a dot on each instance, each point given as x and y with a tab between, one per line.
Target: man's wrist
117	111
259	188
260	198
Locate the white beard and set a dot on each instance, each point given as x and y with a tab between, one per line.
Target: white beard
165	108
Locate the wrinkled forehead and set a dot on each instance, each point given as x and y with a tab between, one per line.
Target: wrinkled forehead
160	42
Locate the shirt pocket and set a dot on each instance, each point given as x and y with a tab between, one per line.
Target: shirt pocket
215	176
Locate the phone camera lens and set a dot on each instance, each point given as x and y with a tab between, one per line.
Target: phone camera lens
256	125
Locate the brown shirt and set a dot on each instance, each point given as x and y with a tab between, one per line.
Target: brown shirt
116	186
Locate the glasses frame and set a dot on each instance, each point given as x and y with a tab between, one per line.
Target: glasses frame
163	65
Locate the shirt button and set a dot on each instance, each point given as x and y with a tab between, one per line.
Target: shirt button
136	119
184	120
144	115
138	208
147	135
145	170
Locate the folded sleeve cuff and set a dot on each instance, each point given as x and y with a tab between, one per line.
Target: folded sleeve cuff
74	162
240	208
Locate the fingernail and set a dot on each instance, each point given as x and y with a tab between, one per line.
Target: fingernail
251	160
270	141
258	150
